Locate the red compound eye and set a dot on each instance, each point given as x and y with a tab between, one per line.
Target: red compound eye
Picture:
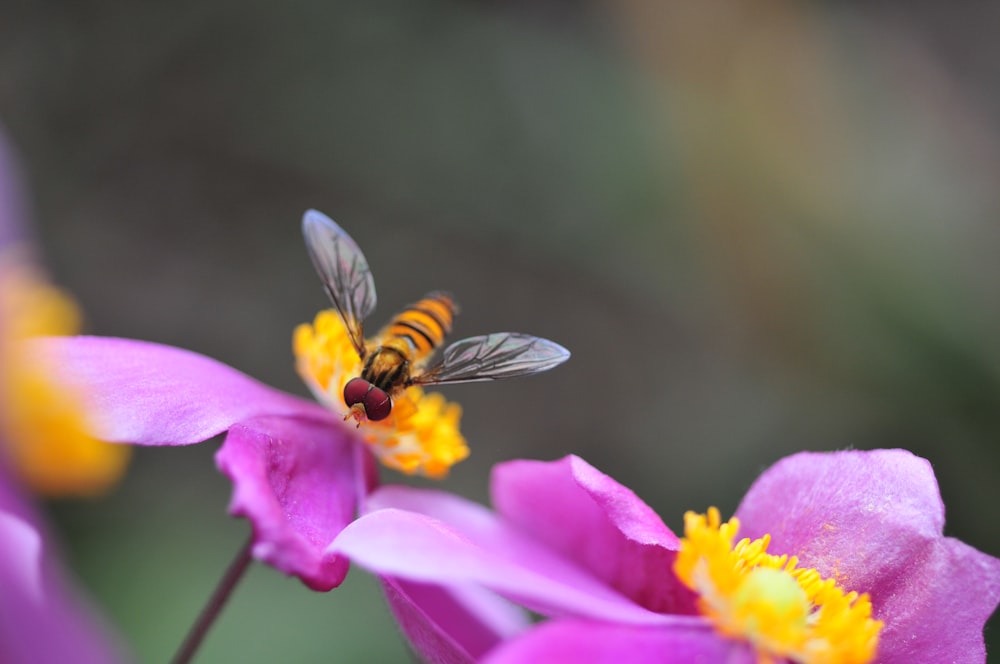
378	405
356	390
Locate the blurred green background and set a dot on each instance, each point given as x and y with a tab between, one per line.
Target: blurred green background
760	228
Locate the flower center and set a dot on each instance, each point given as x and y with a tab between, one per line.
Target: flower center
421	434
783	610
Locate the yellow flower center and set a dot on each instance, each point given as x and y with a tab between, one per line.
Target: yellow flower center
43	430
421	434
783	610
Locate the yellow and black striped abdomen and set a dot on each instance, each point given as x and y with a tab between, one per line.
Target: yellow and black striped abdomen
424	324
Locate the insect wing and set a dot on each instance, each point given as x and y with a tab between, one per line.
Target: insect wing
494	356
344	272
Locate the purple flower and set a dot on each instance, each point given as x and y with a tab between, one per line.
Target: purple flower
843	560
43	618
298	471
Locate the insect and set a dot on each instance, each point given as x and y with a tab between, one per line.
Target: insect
399	355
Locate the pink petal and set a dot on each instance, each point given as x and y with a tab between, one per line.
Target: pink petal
585	642
21	557
298	482
43	618
873	520
937	611
450	624
149	394
440	538
591	519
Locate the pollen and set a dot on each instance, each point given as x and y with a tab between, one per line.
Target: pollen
325	357
784	611
43	424
421	436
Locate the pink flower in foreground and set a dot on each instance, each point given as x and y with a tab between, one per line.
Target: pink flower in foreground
566	541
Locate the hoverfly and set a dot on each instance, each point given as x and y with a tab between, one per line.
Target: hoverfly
398	356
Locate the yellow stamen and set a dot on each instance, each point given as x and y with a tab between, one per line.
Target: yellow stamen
421	434
43	424
783	610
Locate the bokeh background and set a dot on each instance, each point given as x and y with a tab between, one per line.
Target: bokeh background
760	227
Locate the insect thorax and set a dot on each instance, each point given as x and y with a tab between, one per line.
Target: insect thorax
388	366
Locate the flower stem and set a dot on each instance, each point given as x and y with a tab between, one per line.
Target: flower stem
214	606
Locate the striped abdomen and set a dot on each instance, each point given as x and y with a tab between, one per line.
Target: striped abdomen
424	324
408	340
